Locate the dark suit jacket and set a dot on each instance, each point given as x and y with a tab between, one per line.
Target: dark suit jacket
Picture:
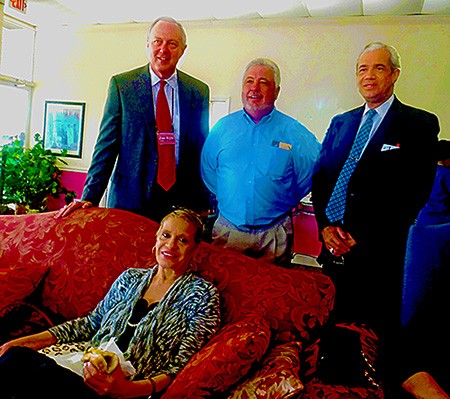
387	188
127	143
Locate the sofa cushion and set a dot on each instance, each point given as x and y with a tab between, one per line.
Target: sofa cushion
223	361
278	376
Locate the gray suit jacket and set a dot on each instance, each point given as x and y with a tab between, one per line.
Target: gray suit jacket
126	148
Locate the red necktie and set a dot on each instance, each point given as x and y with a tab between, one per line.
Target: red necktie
166	141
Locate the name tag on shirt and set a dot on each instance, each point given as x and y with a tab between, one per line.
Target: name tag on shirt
280	144
166	138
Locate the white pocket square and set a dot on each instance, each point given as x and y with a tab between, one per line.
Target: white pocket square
389	147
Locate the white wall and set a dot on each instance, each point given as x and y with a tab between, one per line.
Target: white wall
316	56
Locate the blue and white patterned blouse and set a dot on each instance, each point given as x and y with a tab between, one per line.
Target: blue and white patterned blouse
167	337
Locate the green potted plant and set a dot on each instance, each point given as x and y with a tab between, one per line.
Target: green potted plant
28	176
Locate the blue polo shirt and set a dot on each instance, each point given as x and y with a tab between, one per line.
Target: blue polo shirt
258	171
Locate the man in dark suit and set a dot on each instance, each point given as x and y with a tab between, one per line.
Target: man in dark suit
126	152
363	221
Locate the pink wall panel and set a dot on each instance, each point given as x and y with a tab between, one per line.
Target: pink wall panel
72	181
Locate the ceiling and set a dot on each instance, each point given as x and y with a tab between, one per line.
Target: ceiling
71	12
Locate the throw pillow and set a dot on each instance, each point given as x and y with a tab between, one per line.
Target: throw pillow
223	361
277	378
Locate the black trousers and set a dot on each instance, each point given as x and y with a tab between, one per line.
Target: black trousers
25	373
368	283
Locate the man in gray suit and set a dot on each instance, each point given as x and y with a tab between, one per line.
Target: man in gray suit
126	152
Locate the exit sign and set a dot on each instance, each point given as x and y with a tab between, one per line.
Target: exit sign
19	5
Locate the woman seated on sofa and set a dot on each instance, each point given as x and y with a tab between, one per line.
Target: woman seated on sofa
159	318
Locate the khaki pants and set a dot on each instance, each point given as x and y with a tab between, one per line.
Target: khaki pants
271	243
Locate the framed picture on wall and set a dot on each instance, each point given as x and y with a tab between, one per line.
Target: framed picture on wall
63	127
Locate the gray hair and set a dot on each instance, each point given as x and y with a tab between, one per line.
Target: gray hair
268	63
172	21
394	59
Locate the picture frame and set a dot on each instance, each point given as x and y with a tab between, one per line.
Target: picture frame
64	127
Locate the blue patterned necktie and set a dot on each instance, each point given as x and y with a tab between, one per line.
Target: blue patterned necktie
336	206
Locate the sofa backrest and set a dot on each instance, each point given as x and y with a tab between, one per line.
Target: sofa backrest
294	301
79	257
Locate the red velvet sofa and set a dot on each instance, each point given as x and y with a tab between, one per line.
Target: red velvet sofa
56	269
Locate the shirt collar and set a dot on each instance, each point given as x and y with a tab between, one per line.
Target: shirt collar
383	108
263	119
172	81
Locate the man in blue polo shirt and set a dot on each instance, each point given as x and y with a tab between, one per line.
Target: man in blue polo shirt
258	162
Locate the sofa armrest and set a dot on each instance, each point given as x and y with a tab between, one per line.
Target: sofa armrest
315	388
18	283
23	318
369	348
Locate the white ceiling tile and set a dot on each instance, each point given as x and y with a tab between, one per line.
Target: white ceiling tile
436	6
60	12
280	8
333	8
392	7
232	8
147	11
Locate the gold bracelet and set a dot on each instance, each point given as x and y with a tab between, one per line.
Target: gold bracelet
152	381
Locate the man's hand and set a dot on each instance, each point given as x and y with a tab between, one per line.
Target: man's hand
68	209
337	241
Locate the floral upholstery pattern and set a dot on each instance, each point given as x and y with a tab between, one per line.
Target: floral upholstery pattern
223	361
293	301
278	377
75	259
84	253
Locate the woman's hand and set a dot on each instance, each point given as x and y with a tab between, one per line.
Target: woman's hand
68	209
114	385
117	386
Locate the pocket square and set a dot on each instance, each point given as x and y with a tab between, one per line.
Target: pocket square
389	147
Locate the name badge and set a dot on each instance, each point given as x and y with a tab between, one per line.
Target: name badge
280	144
166	138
